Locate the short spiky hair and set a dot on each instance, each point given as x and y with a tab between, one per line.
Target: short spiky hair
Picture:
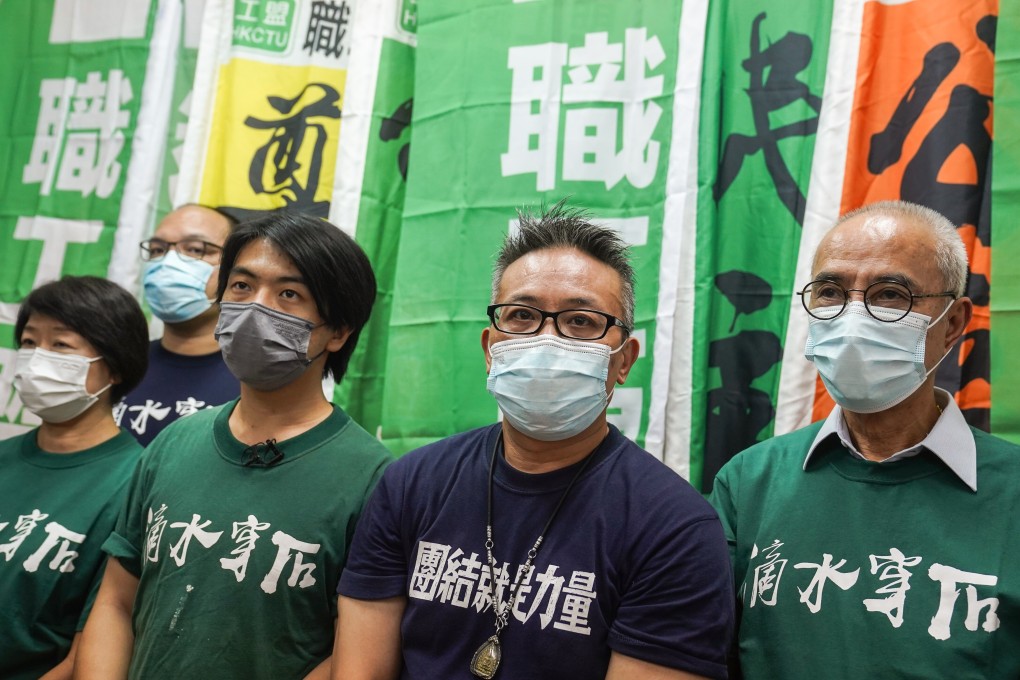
564	227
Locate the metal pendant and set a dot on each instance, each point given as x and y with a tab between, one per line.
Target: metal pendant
486	660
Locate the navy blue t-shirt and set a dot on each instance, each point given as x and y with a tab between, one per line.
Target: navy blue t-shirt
635	562
174	386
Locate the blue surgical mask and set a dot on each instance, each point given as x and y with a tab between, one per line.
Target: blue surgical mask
548	387
175	287
869	365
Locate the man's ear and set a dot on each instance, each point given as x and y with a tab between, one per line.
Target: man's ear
485	348
338	340
957	320
629	354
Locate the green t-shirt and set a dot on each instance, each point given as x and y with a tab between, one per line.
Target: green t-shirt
56	509
857	569
238	566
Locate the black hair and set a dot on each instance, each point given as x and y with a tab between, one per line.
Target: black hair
334	267
564	227
101	312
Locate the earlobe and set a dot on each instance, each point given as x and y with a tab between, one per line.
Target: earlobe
959	319
630	351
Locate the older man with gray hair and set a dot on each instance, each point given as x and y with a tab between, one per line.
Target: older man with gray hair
853	539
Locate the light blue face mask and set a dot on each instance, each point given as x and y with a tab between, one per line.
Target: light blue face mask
175	287
869	365
547	387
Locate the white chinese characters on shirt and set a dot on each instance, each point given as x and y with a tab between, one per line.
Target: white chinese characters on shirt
198	534
450	576
894	571
55	551
138	420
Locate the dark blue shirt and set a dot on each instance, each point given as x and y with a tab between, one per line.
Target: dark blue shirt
635	562
175	385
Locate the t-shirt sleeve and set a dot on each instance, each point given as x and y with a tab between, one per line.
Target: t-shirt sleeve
377	564
678	609
724	503
125	543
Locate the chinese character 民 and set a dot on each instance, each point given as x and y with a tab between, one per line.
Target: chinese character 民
781	60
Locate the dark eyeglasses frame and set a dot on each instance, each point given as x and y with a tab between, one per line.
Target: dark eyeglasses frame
611	320
804	292
172	245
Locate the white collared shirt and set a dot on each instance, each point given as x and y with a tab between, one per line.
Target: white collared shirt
950	440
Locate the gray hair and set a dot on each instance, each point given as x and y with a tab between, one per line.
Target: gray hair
950	253
564	227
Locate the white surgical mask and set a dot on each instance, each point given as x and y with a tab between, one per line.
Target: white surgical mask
869	365
52	385
175	287
548	387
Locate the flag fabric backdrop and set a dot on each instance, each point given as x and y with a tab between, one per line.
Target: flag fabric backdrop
72	97
516	104
371	172
720	138
264	118
1005	177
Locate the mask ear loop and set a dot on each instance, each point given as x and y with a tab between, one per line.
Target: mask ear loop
93	360
932	323
609	395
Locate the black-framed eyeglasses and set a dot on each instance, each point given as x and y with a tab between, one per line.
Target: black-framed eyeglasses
191	248
886	301
576	324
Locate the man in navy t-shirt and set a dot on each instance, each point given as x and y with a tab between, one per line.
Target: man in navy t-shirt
186	370
547	546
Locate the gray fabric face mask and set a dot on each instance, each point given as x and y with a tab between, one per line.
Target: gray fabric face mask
262	347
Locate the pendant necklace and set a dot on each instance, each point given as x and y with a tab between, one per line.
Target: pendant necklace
485	661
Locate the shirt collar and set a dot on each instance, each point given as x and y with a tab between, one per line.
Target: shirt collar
950	440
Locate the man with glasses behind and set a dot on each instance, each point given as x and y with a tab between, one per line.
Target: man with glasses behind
883	542
186	370
548	545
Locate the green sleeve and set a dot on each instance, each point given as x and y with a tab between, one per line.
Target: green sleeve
127	541
724	502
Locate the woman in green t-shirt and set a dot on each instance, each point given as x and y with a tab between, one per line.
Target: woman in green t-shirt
82	343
